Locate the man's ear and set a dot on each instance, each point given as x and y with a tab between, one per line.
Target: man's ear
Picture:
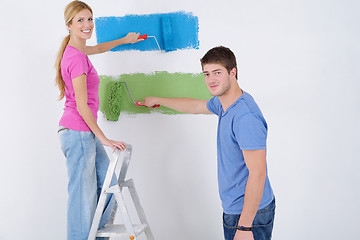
233	72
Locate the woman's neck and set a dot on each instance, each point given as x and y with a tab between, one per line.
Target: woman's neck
78	44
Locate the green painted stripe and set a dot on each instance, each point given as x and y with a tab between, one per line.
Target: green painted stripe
115	99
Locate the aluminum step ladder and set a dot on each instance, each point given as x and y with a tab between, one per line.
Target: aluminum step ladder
129	230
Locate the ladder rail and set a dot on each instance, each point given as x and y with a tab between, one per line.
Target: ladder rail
102	199
125	163
126	229
139	209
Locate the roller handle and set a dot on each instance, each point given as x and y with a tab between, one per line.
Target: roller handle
145	36
140	105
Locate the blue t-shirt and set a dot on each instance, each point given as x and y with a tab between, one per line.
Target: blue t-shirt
241	127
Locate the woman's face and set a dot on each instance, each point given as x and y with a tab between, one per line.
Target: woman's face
82	25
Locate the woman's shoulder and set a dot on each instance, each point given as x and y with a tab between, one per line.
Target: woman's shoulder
72	54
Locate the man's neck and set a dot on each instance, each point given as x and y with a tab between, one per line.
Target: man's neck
230	96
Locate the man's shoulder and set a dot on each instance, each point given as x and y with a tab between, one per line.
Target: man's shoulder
247	108
248	104
214	105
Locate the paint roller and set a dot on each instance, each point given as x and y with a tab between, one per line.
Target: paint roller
145	36
167	34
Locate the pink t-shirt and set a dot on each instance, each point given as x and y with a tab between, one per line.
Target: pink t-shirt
73	64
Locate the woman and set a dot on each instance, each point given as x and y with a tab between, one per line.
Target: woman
81	138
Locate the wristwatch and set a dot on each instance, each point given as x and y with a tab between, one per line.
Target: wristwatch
242	228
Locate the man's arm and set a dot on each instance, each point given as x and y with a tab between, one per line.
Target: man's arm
184	105
256	163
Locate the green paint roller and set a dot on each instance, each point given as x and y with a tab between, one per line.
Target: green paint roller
113	101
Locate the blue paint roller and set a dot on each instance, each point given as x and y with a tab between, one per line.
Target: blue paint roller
145	36
167	33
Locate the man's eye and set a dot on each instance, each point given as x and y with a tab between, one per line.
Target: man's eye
90	19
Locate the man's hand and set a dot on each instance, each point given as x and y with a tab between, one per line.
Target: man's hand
244	235
149	102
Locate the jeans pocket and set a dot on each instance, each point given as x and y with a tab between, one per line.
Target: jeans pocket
263	226
62	129
87	136
230	220
65	140
264	221
265	216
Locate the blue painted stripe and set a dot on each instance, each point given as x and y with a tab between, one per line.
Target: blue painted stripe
173	31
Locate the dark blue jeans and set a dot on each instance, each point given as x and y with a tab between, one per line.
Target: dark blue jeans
262	224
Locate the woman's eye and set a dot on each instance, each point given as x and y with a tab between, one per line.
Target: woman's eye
90	19
80	20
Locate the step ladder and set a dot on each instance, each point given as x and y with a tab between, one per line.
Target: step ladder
129	230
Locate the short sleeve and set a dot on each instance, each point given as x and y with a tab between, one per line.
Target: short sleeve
77	66
214	105
250	132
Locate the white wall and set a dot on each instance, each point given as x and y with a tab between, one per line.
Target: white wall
299	59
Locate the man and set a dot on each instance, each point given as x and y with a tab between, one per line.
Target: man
247	198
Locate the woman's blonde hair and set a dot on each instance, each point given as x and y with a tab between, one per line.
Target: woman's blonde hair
71	10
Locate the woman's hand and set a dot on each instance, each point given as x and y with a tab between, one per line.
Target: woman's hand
132	37
114	144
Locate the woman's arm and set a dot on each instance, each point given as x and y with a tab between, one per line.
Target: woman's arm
81	97
106	46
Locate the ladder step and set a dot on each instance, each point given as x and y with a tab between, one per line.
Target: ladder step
117	189
118	230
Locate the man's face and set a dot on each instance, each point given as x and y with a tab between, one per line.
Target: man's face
217	79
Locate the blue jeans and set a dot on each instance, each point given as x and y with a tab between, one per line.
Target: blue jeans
262	224
87	164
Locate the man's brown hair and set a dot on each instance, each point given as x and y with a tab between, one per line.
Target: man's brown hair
220	55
